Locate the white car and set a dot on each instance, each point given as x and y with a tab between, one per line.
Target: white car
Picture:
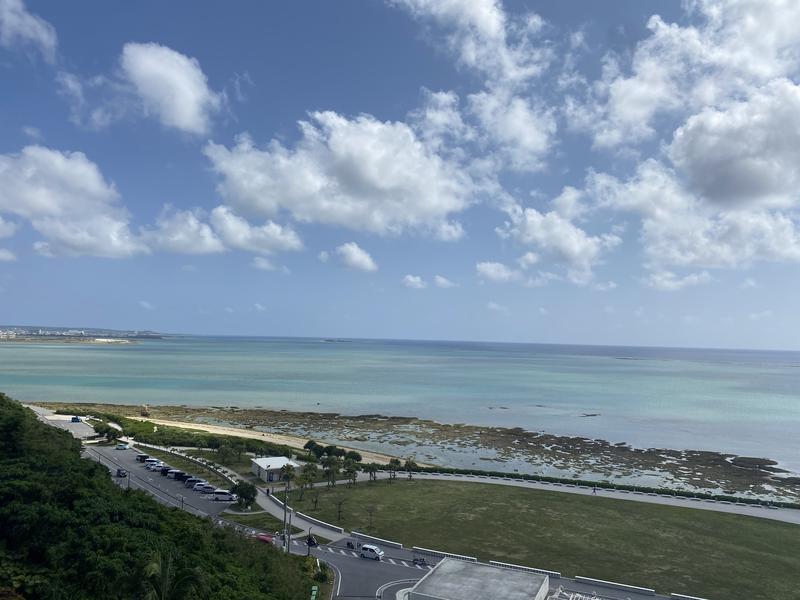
225	496
373	552
199	486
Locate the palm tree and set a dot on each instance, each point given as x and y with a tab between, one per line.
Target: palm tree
288	473
394	466
371	469
351	470
166	581
410	466
308	473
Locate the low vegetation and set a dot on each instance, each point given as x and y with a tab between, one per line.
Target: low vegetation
68	532
259	520
689	551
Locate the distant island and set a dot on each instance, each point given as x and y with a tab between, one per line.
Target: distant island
71	335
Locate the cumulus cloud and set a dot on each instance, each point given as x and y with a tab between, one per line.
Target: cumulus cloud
171	86
184	232
483	37
528	259
550	232
68	201
259	307
667	281
497	272
238	233
22	29
359	173
323	256
443	282
415	282
354	257
7	255
7	228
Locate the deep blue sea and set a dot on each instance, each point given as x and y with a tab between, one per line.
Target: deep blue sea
741	401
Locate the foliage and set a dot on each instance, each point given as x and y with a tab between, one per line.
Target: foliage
318	450
246	491
67	531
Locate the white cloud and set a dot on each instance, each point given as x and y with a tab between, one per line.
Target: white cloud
7	228
19	28
259	307
605	286
498	308
262	263
552	233
238	233
415	282
7	255
439	122
543	311
354	257
527	260
183	231
749	283
229	310
760	316
171	86
485	38
522	133
360	173
667	281
68	201
146	305
33	133
443	282
747	154
323	256
497	272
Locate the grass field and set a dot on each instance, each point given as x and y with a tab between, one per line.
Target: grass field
239	465
188	466
260	520
683	550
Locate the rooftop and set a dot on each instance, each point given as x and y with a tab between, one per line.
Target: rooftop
461	580
269	463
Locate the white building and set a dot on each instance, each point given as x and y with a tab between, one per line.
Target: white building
269	468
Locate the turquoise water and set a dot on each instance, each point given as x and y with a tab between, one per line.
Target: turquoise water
746	402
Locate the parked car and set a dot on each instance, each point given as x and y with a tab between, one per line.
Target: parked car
165	469
154	466
197	487
370	551
173	472
122	473
225	496
182	476
207	489
76	419
142	457
150	461
192	481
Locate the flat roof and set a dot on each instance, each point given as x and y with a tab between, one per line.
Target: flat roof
453	579
270	463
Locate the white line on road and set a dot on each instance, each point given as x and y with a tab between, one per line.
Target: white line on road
391	561
330	549
342	552
354	554
405	564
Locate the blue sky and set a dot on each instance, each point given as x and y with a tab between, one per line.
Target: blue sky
578	172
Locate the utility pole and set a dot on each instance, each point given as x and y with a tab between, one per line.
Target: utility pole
289	535
308	544
285	502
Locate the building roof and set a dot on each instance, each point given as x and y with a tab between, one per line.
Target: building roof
270	463
453	579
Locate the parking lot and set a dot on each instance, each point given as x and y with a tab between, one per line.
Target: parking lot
166	490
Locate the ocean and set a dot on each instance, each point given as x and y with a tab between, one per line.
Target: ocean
739	401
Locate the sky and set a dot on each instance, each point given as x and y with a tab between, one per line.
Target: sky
621	173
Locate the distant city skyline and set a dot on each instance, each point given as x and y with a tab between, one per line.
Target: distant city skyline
617	173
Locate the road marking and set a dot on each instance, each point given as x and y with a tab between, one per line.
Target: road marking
343	552
354	554
391	561
405	564
330	549
420	568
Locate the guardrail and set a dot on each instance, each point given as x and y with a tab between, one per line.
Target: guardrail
371	538
497	563
320	523
615	585
441	554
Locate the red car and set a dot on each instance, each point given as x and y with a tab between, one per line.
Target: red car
267	538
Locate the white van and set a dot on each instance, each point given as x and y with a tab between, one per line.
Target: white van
225	496
150	461
370	551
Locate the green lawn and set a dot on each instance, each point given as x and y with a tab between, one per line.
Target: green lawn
188	466
240	465
260	520
688	551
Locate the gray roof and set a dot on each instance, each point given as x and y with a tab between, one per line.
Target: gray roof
455	579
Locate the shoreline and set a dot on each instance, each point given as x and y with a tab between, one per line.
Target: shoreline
488	448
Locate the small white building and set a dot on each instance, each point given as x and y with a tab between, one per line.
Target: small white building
268	468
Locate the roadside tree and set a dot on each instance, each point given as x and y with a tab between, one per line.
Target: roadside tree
247	493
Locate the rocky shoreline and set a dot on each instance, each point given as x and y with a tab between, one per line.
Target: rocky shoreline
502	449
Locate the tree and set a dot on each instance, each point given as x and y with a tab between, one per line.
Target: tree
166	581
371	469
288	473
410	466
315	500
353	455
308	473
394	466
247	493
225	454
339	500
371	510
331	467
112	433
351	471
